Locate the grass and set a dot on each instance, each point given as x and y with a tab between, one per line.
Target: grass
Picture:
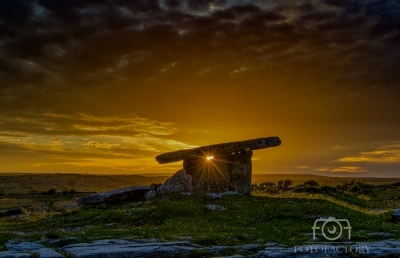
248	219
285	217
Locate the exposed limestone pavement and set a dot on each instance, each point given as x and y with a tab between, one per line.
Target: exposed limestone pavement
119	248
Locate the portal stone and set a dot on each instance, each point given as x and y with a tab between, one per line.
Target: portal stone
211	176
240	171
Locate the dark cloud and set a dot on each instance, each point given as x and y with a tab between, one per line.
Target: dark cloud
91	37
133	57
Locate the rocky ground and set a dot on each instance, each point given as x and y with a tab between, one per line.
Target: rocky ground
121	248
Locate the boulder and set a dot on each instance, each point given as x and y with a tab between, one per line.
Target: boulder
133	193
179	182
396	215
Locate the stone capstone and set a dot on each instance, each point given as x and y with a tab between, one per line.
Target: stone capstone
229	147
133	193
179	182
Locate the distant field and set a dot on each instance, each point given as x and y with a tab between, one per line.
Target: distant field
23	183
322	180
283	215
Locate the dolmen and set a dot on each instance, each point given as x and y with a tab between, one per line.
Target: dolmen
219	168
214	168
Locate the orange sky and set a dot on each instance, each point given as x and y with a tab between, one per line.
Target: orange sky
104	87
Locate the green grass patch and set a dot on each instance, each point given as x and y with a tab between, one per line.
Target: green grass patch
287	219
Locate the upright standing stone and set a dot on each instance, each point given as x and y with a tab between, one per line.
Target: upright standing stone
240	171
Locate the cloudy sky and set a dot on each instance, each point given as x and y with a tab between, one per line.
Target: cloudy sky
103	86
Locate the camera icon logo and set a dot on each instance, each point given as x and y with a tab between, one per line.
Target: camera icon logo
331	228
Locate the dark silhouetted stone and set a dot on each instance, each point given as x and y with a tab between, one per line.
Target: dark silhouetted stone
133	193
220	167
218	149
179	182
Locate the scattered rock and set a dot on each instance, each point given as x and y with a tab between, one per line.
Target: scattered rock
230	193
187	193
130	249
184	238
21	247
214	196
380	234
73	229
381	248
155	186
249	247
11	254
179	182
396	215
147	240
133	193
151	194
11	212
213	207
70	206
116	248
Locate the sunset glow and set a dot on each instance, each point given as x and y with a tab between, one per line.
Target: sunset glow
105	86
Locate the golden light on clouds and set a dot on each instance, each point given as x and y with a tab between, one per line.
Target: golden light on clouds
139	78
386	154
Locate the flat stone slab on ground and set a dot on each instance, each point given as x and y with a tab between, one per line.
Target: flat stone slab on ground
130	249
134	193
19	248
120	248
